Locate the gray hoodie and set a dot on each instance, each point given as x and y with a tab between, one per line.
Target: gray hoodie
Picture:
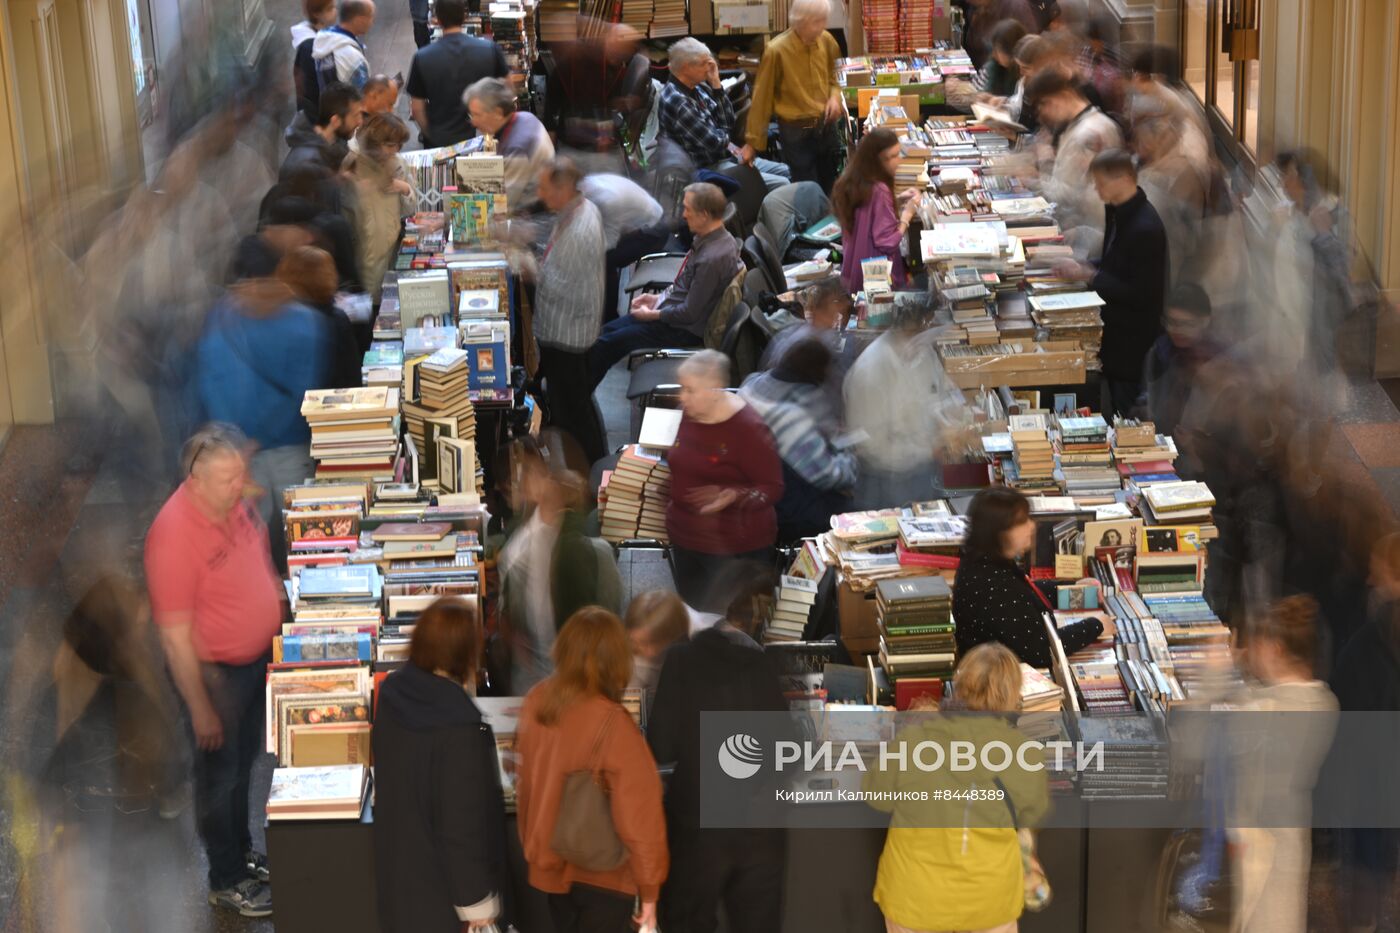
347	52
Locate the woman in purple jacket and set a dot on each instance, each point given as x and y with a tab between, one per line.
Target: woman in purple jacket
864	201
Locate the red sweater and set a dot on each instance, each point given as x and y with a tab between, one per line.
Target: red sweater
737	454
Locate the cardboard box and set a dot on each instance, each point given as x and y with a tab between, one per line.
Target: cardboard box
702	17
859	631
1057	363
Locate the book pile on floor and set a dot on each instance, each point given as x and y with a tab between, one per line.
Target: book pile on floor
915	616
354	432
321	522
632	501
331	792
794	598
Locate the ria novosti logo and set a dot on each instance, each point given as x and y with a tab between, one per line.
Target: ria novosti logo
740	756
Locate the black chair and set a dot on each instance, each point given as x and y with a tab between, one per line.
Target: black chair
654	272
649	370
750	195
760	245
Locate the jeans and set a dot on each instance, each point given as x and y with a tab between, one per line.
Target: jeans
810	152
586	909
570	396
222	776
704	581
422	33
631	246
622	336
775	174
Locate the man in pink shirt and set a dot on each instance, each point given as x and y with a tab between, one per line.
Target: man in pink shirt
218	603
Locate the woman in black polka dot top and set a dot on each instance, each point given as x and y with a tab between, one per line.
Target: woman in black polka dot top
993	600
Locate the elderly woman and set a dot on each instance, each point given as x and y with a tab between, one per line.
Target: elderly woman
796	85
520	137
726	478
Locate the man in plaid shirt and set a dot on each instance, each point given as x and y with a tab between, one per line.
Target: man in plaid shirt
696	113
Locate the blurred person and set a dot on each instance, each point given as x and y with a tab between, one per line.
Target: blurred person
310	273
1131	277
380	93
1367	679
721	669
993	599
898	393
339	51
568	305
796	86
1312	283
826	306
441	73
310	198
633	226
1080	132
1179	190
382	197
967	877
1275	763
983	16
439	813
655	620
819	474
1173	365
327	143
261	351
594	78
1155	86
549	567
1053	51
218	603
1048	15
320	14
680	315
520	136
573	722
999	74
1104	65
418	13
726	478
696	113
874	222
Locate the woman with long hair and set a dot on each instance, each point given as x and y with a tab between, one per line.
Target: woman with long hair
439	816
571	722
873	221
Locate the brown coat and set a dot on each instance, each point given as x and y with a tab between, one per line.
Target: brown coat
548	754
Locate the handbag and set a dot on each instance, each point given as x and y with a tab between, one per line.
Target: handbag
1037	887
584	834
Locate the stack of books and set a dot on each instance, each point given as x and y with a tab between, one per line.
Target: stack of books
354	432
1072	316
318	712
634	497
1039	693
916	19
668	18
932	542
1086	465
487	344
880	20
480	272
1181	503
1033	457
441	421
333	792
637	14
865	545
321	522
1136	758
915	616
794	599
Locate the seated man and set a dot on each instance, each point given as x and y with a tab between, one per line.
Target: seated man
696	112
678	316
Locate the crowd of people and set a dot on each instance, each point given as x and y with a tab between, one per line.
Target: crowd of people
1233	350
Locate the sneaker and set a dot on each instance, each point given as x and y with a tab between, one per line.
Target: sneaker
250	897
257	866
175	802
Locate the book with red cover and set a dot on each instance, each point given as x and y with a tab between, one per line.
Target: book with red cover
1147	466
909	689
908	558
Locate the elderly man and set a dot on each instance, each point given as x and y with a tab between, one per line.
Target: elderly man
339	52
218	603
697	114
569	304
520	137
678	316
796	84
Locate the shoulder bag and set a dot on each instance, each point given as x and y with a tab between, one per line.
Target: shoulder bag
1037	886
584	834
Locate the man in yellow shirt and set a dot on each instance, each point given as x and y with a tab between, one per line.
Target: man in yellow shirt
796	84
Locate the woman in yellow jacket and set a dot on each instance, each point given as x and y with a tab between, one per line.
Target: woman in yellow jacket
955	863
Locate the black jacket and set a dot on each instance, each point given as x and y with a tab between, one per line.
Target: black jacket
439	817
1132	279
993	601
718	670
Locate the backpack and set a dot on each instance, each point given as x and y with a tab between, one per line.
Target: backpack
308	81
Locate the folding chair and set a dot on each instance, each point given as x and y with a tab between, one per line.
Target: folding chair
654	272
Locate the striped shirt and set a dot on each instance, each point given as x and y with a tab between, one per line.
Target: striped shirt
569	295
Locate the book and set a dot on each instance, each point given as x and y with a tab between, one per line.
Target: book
411	531
323	744
347	404
330	646
330	792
